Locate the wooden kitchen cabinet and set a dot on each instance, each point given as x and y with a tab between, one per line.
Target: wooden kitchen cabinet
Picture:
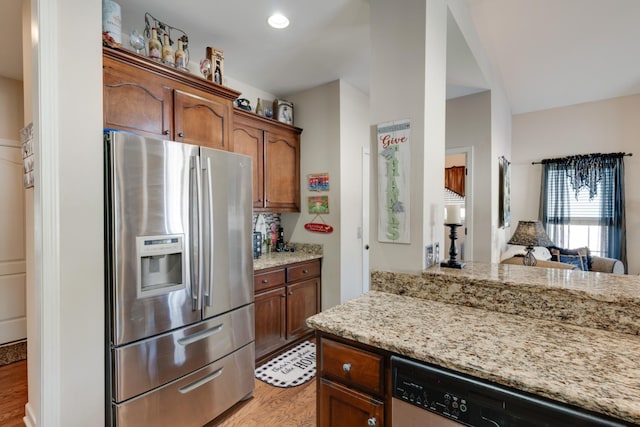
275	149
201	120
341	406
352	387
285	297
151	99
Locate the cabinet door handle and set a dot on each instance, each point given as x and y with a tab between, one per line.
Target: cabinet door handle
346	367
290	292
181	134
166	132
371	422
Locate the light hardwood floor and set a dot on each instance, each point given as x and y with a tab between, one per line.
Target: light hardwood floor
13	393
269	406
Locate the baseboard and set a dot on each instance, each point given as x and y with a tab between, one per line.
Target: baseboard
29	419
13	352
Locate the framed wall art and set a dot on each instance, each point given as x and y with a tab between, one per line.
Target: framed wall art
318	181
504	198
216	56
394	201
283	111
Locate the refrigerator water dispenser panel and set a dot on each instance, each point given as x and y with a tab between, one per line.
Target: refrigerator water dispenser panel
160	264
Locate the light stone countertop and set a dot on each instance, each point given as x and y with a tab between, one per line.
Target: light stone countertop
568	335
303	252
591	368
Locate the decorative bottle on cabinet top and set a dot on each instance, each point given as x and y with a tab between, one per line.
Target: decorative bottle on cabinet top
155	47
167	52
181	59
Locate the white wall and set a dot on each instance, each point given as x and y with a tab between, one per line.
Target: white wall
606	126
469	125
66	294
317	112
487	161
408	81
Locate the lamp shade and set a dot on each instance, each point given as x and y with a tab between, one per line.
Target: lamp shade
530	233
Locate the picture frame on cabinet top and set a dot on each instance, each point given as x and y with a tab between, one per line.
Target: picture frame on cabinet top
283	111
216	56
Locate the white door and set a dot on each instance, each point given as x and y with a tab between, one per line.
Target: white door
366	155
13	320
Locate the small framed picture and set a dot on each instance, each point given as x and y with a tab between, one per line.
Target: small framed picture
283	111
216	56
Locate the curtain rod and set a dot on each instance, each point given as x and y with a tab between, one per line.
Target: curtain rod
541	161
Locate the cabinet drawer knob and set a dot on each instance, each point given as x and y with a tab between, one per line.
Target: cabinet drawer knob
265	281
371	422
346	367
166	132
305	271
181	134
290	292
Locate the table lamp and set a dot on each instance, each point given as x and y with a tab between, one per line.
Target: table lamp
530	234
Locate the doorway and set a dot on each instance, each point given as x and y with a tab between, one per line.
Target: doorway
458	191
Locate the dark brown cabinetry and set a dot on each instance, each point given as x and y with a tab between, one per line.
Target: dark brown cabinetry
284	297
352	385
151	99
275	149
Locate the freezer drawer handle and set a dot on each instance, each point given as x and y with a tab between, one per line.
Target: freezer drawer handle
200	335
202	381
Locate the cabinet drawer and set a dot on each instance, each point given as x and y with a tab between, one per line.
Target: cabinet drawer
352	366
267	280
304	271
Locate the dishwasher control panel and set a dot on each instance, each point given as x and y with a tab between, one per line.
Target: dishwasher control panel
428	392
474	402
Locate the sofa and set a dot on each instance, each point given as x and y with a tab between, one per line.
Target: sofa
598	264
570	259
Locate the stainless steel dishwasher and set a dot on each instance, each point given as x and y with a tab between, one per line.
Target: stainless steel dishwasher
425	395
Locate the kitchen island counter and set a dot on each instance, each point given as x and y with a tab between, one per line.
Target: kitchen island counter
592	368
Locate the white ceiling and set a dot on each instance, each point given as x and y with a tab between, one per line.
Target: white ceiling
547	53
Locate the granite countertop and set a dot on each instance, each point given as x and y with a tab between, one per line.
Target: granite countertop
567	335
303	252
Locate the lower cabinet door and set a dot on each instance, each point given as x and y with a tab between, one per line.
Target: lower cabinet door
302	302
271	318
340	406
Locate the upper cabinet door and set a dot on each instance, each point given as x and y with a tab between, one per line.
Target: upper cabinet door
249	140
201	121
282	171
136	101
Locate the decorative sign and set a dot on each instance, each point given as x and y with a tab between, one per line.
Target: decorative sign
318	227
393	181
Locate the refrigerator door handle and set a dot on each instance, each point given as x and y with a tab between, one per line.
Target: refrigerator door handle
211	242
202	381
196	241
200	335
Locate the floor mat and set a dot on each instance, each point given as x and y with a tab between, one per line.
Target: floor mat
295	367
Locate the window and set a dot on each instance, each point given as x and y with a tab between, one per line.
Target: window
575	222
582	203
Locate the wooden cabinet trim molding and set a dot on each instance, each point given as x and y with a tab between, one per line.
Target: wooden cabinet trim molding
172	73
264	121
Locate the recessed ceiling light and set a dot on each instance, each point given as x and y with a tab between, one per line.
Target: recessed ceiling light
278	20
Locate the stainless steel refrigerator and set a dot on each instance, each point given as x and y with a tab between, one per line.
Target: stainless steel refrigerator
180	327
